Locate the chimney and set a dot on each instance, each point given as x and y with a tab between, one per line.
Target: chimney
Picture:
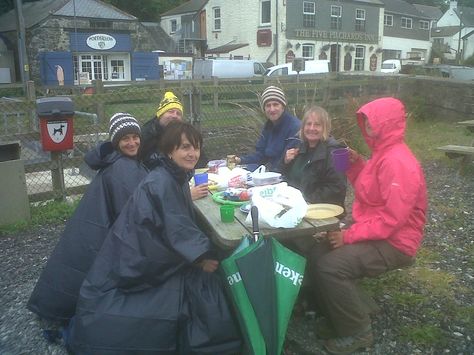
453	4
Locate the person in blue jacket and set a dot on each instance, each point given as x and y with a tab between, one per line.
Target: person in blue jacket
119	173
279	128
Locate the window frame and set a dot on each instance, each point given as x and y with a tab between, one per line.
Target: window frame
336	19
262	3
305	47
358	60
173	25
216	20
309	17
407	20
427	25
360	21
385	22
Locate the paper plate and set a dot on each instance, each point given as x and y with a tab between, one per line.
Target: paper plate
323	210
217	197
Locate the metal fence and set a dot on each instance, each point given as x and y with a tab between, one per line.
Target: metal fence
227	113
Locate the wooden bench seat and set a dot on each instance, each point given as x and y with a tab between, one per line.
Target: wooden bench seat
458	151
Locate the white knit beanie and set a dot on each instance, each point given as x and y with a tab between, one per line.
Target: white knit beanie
122	124
273	93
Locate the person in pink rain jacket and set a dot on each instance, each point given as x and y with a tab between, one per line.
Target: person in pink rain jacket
389	215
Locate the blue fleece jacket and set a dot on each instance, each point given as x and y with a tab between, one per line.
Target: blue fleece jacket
273	141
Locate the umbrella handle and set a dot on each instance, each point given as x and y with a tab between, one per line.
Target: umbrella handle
254	215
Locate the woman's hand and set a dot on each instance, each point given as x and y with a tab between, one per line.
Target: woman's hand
354	156
199	191
291	154
209	265
335	239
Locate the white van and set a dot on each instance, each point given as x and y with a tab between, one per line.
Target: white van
391	66
227	68
310	67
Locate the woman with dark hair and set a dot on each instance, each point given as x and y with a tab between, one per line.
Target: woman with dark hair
152	288
119	173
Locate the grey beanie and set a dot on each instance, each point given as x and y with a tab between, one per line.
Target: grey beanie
121	124
273	93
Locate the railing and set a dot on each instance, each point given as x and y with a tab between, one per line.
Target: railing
226	111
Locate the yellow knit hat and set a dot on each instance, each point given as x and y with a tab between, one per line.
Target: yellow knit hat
169	102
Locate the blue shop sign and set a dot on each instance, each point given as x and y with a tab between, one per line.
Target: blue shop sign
110	42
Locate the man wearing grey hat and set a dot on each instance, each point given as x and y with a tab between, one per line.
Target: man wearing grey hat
279	127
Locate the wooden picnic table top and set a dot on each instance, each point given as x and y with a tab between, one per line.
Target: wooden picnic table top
228	235
468	124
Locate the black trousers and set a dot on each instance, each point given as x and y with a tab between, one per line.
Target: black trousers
334	273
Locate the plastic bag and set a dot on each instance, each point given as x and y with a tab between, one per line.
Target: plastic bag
279	206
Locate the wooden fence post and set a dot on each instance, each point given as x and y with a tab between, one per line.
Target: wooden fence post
57	176
100	110
216	94
31	97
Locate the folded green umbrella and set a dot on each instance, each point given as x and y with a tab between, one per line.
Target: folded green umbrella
253	338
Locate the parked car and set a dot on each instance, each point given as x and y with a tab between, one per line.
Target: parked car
227	68
391	66
311	67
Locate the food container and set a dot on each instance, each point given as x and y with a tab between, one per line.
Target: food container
266	178
214	165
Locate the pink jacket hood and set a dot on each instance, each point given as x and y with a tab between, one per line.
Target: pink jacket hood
386	117
390	200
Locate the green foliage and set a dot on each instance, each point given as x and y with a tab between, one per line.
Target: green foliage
469	61
51	212
429	335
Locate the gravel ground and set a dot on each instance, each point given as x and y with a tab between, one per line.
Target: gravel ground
450	233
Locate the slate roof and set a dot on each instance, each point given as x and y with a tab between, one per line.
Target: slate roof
190	6
226	48
162	40
402	8
431	12
37	11
445	31
467	15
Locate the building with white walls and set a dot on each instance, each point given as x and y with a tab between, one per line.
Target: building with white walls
454	34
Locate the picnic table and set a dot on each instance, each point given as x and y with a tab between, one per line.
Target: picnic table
228	235
468	124
461	151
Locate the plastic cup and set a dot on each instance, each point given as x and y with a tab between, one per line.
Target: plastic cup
200	179
227	213
340	158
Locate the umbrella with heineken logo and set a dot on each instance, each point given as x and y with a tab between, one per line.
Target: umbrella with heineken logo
263	280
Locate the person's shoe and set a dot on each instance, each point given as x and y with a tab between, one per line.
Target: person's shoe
349	344
324	329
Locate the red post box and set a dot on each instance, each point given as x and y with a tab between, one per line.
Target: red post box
56	123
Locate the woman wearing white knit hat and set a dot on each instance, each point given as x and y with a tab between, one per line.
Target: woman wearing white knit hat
280	126
118	174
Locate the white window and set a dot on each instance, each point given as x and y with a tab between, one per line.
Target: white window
336	15
424	25
173	26
360	20
216	11
359	60
265	12
388	20
407	22
309	14
308	51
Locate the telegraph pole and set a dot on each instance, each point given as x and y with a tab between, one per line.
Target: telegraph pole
22	55
459	39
